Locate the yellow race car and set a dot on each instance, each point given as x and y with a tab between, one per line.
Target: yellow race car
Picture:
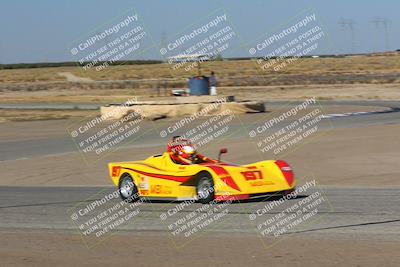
199	178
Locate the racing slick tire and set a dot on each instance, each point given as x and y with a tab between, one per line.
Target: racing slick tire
127	189
205	188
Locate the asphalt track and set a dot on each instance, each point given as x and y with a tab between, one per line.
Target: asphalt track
358	212
32	147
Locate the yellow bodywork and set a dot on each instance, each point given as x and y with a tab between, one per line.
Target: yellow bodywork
159	177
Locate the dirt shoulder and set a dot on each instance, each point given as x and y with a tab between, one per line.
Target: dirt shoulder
48	248
69	93
55	114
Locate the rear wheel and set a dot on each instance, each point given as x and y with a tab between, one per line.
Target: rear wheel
205	188
127	189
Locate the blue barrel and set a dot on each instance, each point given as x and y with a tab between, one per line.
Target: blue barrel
198	85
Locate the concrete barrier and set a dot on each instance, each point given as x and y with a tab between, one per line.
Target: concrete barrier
181	107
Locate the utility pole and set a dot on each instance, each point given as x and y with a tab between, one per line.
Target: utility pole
385	23
376	22
163	43
349	24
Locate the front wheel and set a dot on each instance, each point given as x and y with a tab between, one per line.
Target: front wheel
127	189
205	188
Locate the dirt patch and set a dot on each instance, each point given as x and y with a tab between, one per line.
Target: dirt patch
42	248
39	114
73	78
106	93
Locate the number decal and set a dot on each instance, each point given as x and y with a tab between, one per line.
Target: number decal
252	175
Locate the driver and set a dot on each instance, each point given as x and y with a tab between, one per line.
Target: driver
183	152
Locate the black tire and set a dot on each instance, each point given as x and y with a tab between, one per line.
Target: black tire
127	189
205	188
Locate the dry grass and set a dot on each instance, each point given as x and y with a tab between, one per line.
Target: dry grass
356	77
379	63
35	114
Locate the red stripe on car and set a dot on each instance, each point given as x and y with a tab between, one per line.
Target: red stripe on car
224	176
180	179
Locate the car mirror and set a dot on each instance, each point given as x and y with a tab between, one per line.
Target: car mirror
222	151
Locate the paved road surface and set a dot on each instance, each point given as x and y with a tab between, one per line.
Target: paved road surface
357	213
31	147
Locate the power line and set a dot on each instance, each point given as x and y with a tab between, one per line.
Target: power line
348	24
378	21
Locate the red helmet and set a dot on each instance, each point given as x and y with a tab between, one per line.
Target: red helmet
182	150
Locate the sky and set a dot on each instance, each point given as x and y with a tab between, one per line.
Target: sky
46	30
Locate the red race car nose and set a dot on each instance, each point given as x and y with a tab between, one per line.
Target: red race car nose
286	171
